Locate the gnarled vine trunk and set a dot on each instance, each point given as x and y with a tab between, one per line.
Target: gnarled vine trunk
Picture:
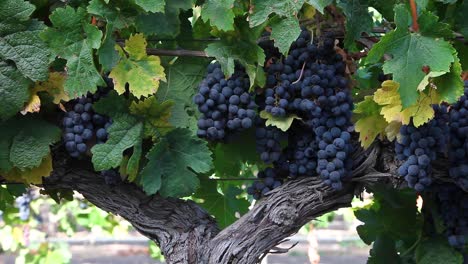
186	233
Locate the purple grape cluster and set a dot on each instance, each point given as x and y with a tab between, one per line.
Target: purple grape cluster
268	180
458	152
418	147
301	152
453	207
226	106
268	141
82	127
310	83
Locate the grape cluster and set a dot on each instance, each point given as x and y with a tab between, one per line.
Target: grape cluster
418	147
268	141
225	105
268	180
453	207
310	83
458	153
82	125
23	204
301	152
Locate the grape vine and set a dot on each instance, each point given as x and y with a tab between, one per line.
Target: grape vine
174	101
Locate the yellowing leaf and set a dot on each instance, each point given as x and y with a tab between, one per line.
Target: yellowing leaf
392	110
370	123
156	115
34	175
369	128
282	123
136	47
392	130
33	106
53	86
140	71
388	93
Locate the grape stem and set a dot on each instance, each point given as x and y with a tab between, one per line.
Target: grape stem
414	15
300	76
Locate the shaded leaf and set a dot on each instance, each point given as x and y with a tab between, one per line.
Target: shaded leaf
284	32
358	20
13	91
262	9
219	13
223	206
183	77
173	163
25	142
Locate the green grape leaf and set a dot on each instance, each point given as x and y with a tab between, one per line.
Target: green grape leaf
262	9
142	72
358	20
319	4
284	32
220	13
168	22
23	55
151	5
108	56
183	77
112	105
28	52
13	91
118	15
462	50
450	85
223	207
173	163
6	199
383	251
73	39
460	19
229	157
25	142
283	123
370	122
133	164
393	213
437	250
248	54
386	7
155	115
241	47
14	11
124	133
411	52
430	26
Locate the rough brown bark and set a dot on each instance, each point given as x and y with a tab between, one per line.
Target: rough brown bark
186	233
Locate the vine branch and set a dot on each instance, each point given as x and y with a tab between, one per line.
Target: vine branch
186	233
